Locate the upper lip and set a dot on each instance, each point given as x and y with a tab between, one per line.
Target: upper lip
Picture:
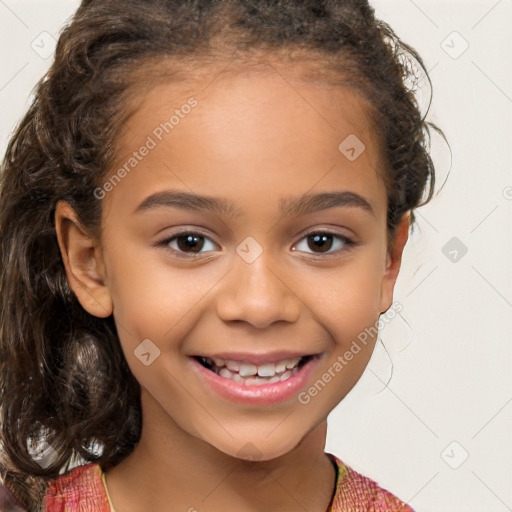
256	358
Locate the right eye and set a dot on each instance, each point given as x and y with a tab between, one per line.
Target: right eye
186	242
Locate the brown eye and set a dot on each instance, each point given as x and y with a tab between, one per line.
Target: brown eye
322	242
187	243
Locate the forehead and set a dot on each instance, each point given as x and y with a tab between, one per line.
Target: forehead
264	128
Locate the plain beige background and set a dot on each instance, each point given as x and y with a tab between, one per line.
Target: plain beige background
438	435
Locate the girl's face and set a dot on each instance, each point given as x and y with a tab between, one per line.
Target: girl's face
274	249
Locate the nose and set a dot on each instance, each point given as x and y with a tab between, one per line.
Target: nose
257	293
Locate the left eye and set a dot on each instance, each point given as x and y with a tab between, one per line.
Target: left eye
321	239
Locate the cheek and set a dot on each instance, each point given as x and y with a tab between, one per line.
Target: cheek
346	300
160	303
346	304
152	299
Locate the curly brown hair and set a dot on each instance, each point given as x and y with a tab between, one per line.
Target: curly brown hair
63	377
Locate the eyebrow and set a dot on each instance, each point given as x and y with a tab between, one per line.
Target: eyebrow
288	206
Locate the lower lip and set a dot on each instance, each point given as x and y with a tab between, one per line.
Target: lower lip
264	394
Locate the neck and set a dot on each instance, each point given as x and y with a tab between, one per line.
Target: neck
170	469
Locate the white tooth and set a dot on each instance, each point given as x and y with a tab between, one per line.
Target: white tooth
285	376
219	362
237	378
267	370
274	379
290	363
250	382
224	372
246	370
281	367
233	365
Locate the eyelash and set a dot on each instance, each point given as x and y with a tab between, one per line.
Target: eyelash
349	243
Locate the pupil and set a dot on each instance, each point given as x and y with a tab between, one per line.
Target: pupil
190	242
319	240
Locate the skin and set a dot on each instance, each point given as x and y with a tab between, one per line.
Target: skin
254	138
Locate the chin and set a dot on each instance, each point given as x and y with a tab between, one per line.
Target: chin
252	448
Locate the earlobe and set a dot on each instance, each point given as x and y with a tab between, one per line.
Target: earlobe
394	261
81	255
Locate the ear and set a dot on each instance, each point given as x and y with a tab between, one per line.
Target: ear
393	263
83	262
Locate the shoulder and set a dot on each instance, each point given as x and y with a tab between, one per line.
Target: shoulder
8	500
80	490
356	492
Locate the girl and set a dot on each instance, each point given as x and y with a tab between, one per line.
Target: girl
203	209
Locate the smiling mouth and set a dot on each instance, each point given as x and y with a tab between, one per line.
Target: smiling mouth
254	375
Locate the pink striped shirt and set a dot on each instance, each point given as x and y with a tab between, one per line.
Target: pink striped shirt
83	490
